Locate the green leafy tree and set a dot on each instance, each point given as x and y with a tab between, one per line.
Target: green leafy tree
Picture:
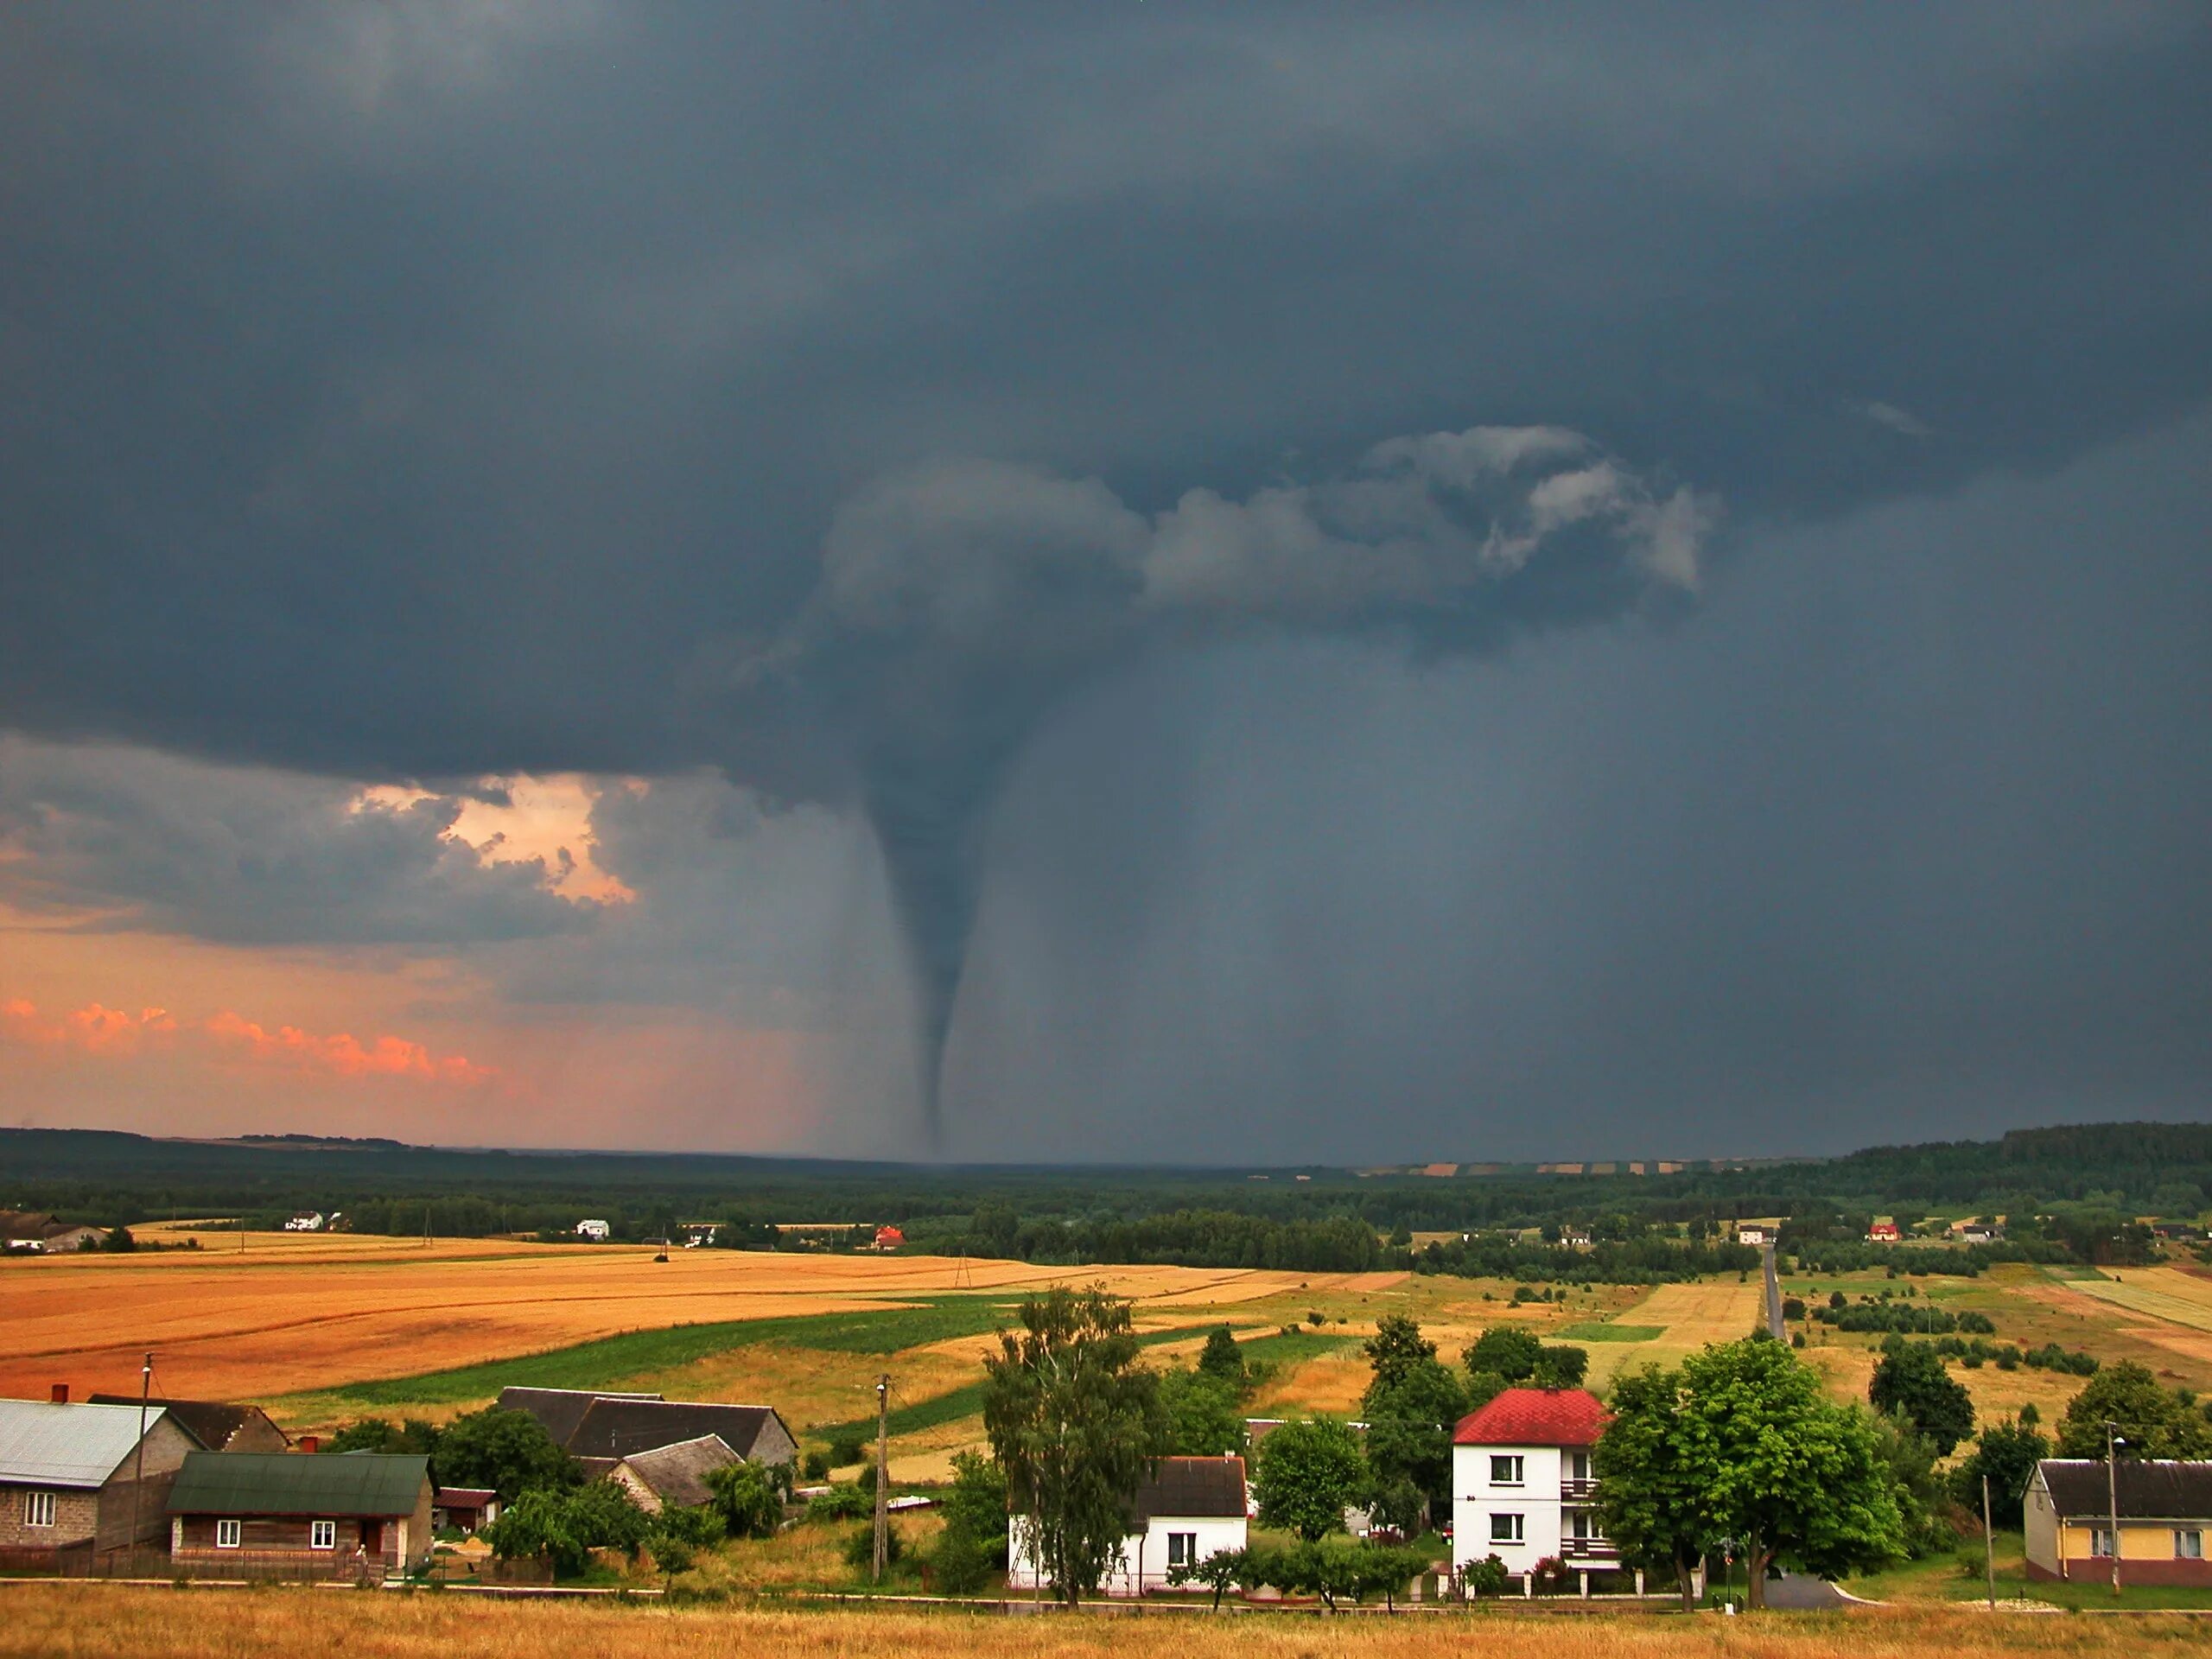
1910	1380
746	1498
1410	1408
1205	1418
1486	1578
564	1527
1559	1366
1483	1387
1923	1495
1076	1424
976	1502
842	1502
1650	1499
1783	1469
1221	1357
376	1434
1222	1571
509	1451
2007	1454
2153	1422
1308	1473
1507	1350
959	1565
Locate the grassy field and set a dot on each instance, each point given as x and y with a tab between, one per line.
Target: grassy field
76	1621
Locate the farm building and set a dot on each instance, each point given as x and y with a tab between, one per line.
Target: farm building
596	1231
32	1232
1884	1231
1191	1508
69	1477
673	1474
608	1428
464	1509
889	1238
1522	1487
308	1221
214	1425
359	1512
2165	1512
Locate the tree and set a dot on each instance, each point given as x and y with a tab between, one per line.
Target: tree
1507	1350
1559	1366
1222	1571
1076	1425
2007	1454
1308	1472
1910	1380
1222	1358
1410	1408
378	1434
2153	1422
1922	1495
509	1451
746	1498
119	1240
565	1527
974	1539
1785	1471
1204	1418
1650	1501
1487	1577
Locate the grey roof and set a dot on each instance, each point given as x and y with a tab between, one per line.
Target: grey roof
50	1444
678	1473
294	1483
560	1409
2160	1489
211	1422
1193	1486
615	1426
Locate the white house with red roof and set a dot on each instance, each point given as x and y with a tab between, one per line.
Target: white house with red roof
1523	1485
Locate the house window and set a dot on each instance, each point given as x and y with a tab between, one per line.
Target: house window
322	1535
227	1533
1506	1471
1578	1465
2188	1543
38	1509
1182	1549
2101	1541
1505	1529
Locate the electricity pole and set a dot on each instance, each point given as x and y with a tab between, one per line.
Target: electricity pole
1989	1545
2112	1443
882	1470
138	1477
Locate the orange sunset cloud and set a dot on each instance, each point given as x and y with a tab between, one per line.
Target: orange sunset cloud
96	1029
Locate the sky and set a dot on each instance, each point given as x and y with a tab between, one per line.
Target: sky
1108	583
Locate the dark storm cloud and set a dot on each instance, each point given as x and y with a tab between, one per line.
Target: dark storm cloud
428	390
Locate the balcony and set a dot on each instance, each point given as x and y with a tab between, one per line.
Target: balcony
1594	1551
1575	1491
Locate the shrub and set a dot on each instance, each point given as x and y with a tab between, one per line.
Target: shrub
746	1498
841	1503
961	1563
815	1466
1485	1578
860	1548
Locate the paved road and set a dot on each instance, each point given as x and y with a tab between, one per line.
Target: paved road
1774	1325
1801	1593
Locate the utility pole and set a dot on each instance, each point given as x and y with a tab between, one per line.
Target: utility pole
882	1470
2112	1443
138	1477
1989	1545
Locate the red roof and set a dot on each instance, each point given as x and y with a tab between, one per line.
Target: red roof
1535	1417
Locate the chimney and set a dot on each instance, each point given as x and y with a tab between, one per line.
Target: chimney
310	1443
61	1395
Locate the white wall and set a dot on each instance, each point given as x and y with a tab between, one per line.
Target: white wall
1475	1499
1142	1563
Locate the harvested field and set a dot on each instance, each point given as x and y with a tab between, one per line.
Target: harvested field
2170	1294
79	1621
1687	1316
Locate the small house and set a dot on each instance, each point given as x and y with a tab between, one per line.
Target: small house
673	1476
71	1476
1523	1489
1884	1230
2165	1509
605	1428
1191	1508
216	1425
463	1509
356	1513
597	1231
306	1221
889	1238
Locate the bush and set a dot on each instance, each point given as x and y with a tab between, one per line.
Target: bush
1485	1578
841	1502
815	1466
860	1548
746	1498
961	1563
845	1451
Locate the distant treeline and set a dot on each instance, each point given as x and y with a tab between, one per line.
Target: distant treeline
1607	1262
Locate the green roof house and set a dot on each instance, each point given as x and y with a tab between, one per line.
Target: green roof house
355	1514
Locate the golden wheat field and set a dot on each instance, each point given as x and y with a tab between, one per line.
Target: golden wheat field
80	1621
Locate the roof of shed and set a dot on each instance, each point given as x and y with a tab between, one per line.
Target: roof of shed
678	1473
2160	1489
211	1422
560	1409
1535	1417
50	1444
1194	1486
291	1483
617	1427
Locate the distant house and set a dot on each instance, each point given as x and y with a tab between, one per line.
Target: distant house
1189	1509
1884	1231
360	1512
597	1231
673	1475
463	1509
1523	1485
604	1429
308	1221
215	1425
2165	1511
1753	1232
34	1232
889	1238
69	1477
1575	1238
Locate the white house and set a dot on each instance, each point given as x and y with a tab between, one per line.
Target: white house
308	1221
597	1231
1521	1486
1191	1508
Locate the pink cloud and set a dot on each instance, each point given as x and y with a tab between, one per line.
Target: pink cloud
97	1029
